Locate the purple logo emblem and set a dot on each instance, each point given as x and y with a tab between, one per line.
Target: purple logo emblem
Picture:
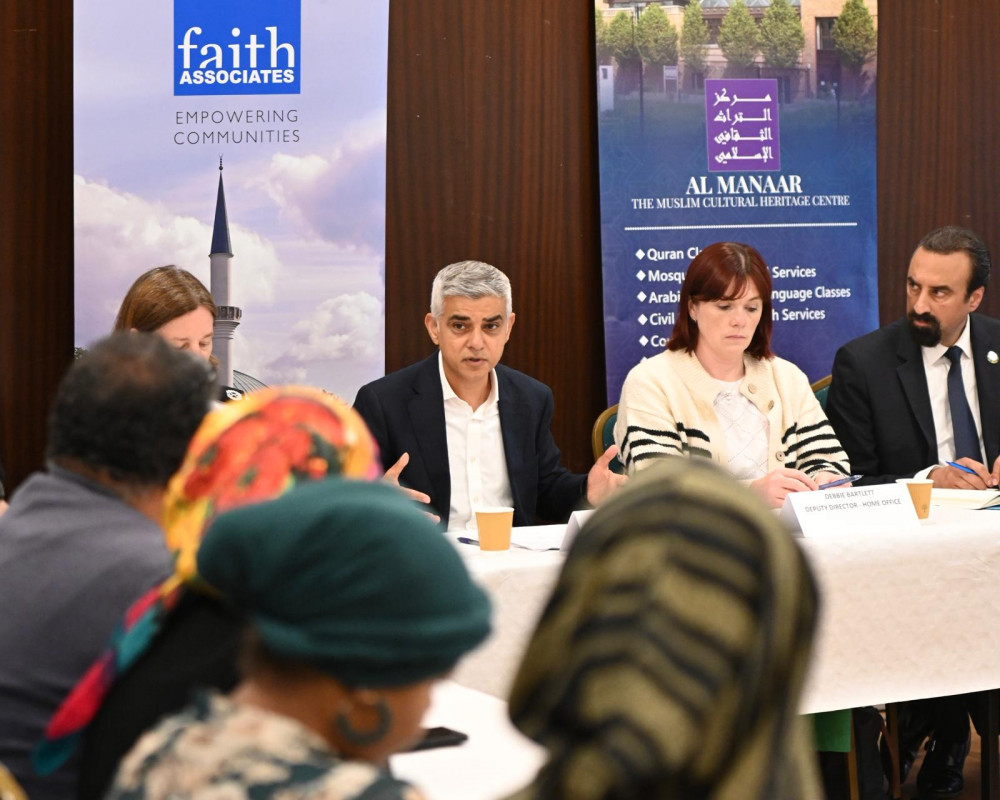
742	124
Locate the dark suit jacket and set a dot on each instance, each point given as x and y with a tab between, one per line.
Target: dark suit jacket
880	407
405	413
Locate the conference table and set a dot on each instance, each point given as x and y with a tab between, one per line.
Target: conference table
903	616
495	762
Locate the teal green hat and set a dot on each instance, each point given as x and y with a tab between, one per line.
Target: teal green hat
350	577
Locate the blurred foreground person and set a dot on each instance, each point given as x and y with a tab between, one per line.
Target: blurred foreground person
357	606
82	540
670	658
178	637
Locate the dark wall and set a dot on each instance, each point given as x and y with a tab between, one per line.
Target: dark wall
491	155
36	221
938	112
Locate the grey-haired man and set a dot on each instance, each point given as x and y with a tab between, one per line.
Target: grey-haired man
462	431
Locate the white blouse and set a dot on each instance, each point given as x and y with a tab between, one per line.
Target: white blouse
745	430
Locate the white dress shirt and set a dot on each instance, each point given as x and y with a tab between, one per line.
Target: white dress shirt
476	458
936	366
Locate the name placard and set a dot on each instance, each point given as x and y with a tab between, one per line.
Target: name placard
576	521
835	511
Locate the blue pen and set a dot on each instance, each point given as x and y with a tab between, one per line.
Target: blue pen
962	467
467	540
841	481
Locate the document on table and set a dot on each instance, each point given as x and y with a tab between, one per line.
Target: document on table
576	522
549	537
966	498
538	537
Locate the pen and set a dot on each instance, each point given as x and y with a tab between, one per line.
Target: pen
467	540
962	467
841	481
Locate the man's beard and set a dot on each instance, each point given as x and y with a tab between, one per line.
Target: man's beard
927	336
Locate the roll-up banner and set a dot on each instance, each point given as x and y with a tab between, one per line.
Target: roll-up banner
288	99
728	121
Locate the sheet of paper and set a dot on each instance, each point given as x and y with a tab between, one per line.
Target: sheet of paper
538	537
576	521
965	498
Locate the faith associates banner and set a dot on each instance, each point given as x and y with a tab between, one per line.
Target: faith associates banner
289	98
700	151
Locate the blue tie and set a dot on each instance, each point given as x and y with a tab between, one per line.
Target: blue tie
962	423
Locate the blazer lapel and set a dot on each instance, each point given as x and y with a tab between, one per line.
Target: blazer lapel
987	386
914	382
514	415
426	409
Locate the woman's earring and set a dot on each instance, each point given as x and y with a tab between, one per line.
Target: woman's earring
383	721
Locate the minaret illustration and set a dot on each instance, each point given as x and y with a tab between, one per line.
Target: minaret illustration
229	315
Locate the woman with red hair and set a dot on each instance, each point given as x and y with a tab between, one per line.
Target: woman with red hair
720	393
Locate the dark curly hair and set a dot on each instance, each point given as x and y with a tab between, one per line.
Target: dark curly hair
130	406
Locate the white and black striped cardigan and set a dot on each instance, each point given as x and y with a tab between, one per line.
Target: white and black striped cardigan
666	408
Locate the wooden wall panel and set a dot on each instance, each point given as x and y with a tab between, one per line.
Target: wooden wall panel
938	114
36	221
491	155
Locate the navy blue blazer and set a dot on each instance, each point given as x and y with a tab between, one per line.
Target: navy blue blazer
880	407
405	413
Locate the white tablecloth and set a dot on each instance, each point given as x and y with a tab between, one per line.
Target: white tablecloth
518	583
908	615
495	762
904	616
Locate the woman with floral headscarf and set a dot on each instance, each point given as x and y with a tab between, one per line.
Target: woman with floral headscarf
179	636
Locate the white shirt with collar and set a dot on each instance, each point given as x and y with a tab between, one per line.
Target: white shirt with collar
936	366
476	458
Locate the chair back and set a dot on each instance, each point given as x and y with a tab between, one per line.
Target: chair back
10	789
821	389
602	436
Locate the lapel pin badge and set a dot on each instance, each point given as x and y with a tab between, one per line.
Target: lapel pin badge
992	357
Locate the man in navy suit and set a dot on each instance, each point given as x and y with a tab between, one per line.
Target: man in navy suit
907	399
462	431
889	400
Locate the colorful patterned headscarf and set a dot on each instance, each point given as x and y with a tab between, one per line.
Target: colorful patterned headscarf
246	452
256	450
669	660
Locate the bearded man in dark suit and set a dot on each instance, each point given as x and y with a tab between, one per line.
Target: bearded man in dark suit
908	399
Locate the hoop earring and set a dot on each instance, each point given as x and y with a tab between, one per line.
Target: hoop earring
364	738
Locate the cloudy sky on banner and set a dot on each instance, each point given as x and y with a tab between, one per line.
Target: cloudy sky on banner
306	217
